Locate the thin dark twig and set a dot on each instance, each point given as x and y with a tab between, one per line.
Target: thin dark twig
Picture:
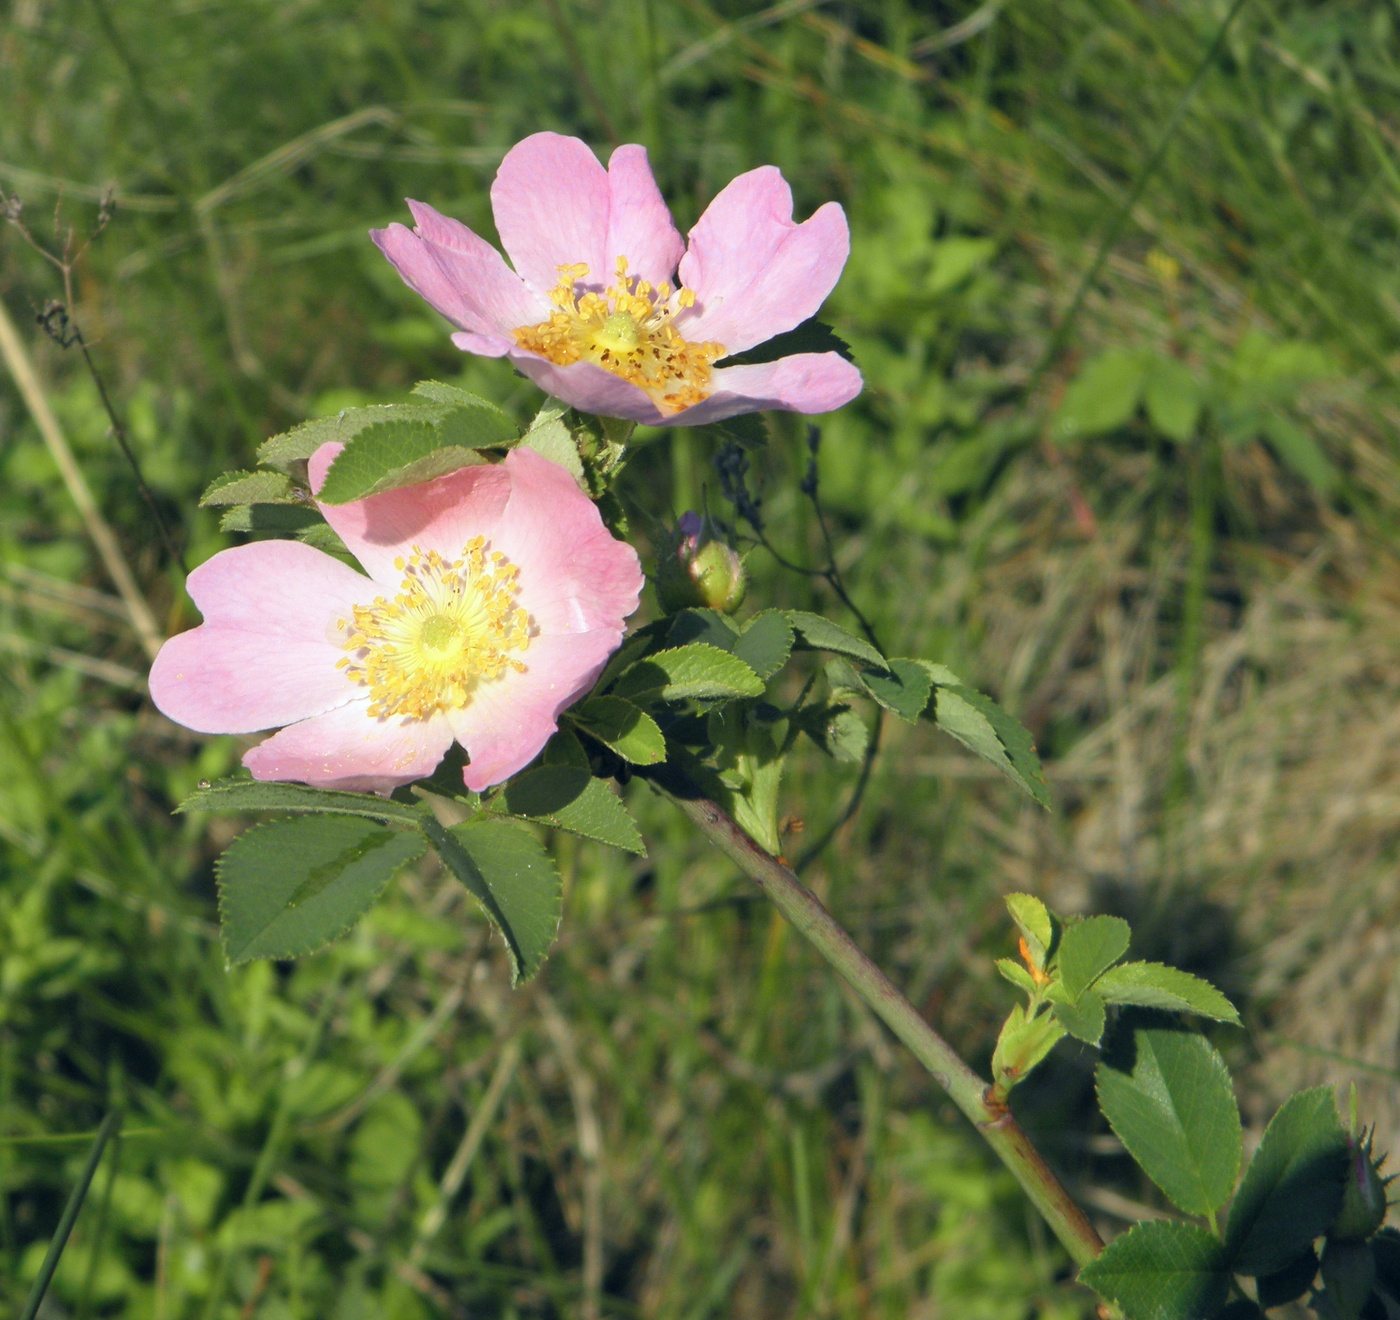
60	324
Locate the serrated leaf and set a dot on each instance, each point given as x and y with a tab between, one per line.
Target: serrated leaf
1024	1041
697	672
1018	975
1289	1283
510	874
1175	1112
1154	985
842	734
1102	397
1292	1189
708	626
1162	1271
748	430
548	435
1173	398
290	886
322	536
297	445
279	518
402	452
903	688
247	488
812	336
1035	923
814	633
572	799
1084	1019
625	728
449	396
564	748
765	643
982	726
261	795
1088	948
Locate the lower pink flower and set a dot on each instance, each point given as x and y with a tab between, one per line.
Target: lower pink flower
494	598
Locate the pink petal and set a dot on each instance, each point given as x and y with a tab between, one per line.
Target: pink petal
754	273
267	651
589	388
510	720
440	515
482	345
575	576
800	382
350	749
551	201
459	274
640	227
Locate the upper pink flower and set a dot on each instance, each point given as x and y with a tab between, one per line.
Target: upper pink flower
590	312
495	596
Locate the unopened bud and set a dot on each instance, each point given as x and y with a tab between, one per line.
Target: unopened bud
700	571
1363	1201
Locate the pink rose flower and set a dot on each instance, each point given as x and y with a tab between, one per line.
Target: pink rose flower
590	313
495	596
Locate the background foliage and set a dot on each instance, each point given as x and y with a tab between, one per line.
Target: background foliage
1166	540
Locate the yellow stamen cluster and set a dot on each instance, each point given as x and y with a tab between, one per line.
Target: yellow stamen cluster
449	629
626	330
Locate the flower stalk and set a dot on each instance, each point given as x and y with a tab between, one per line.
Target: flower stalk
996	1123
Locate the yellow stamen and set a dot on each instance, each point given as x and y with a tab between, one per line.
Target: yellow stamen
626	330
450	628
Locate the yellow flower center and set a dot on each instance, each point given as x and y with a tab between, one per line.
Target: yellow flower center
626	330
450	628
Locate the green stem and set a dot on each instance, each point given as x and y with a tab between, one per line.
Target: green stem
964	1087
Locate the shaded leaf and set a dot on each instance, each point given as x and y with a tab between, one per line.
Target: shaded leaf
765	643
1162	1271
698	625
511	875
748	430
1088	948
280	518
1084	1019
297	445
1154	985
903	688
627	729
1292	1189
290	886
840	733
571	799
550	436
1102	397
564	748
698	672
1175	1113
812	336
247	488
1289	1283
261	795
814	633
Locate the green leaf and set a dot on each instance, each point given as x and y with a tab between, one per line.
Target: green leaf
290	886
627	729
322	536
904	688
748	430
977	722
1176	1114
1385	1246
840	733
1024	1042
510	874
1348	1276
1240	1309
247	488
1173	398
258	795
1153	985
564	748
698	672
765	643
1088	948
403	452
1162	1271
450	396
1035	923
1289	1283
1102	397
708	626
297	445
815	633
1018	975
279	518
572	799
812	336
548	435
1297	450
1084	1019
1292	1189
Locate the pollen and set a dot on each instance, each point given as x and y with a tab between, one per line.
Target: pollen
627	330
453	625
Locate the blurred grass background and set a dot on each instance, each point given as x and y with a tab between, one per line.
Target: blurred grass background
1196	611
